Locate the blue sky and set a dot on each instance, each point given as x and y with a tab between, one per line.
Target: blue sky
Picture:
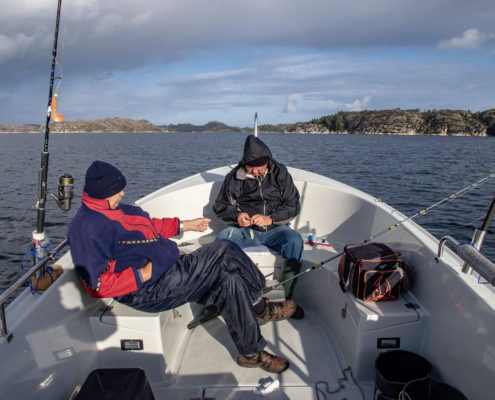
203	60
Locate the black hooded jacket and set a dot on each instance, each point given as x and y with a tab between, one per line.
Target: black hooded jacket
273	194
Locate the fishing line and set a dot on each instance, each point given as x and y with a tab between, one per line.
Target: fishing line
469	224
391	227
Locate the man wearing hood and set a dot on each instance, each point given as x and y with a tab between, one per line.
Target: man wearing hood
119	251
258	199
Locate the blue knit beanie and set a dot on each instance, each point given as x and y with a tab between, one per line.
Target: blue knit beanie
103	180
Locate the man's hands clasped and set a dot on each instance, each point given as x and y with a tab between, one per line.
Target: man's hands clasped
244	220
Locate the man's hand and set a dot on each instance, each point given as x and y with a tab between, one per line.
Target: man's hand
198	224
244	220
261	220
146	271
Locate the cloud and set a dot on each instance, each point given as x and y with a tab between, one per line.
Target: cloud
11	46
193	61
292	101
358	105
470	39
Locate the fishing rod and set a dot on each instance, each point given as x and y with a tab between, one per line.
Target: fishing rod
65	189
395	226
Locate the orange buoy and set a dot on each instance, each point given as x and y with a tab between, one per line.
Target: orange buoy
56	117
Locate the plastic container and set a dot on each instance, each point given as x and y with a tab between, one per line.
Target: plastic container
316	239
116	384
430	389
396	368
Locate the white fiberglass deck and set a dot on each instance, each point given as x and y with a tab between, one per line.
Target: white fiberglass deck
208	364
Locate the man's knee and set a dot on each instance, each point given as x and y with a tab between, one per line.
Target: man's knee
293	238
224	234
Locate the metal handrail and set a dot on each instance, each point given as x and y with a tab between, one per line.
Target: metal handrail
21	281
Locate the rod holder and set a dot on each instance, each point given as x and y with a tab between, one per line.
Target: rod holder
471	256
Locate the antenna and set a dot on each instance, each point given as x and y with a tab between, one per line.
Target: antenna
255	124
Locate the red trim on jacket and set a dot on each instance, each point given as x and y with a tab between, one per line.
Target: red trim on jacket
114	284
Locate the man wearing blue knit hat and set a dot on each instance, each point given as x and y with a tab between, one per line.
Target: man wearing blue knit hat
119	251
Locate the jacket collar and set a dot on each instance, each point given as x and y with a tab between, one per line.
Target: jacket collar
95	204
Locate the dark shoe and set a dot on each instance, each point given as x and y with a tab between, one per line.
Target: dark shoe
264	360
298	314
276	311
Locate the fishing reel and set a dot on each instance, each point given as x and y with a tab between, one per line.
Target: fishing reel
65	192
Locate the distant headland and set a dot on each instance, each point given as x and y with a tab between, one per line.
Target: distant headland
377	122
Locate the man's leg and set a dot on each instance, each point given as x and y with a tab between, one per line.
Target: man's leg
285	240
290	244
218	273
242	237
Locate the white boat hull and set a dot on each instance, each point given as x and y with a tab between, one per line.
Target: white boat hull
59	337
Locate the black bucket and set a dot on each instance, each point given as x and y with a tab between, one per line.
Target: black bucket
430	389
394	369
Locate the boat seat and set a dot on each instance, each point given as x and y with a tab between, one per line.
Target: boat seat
269	261
365	329
126	336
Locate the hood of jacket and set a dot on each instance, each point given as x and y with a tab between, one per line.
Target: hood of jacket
254	149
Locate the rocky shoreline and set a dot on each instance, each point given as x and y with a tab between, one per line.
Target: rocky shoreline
381	122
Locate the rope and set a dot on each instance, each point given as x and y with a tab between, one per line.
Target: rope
404	396
340	383
47	270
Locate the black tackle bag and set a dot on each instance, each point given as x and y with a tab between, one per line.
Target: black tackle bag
373	272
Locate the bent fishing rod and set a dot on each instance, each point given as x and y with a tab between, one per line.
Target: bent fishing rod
66	181
43	177
65	188
390	228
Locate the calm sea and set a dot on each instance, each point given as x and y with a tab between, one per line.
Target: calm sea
407	172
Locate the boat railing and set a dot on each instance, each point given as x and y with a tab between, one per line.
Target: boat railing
20	282
471	256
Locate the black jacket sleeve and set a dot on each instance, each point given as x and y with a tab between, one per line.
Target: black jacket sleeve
289	206
226	206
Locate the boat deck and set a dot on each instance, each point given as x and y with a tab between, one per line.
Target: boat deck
208	366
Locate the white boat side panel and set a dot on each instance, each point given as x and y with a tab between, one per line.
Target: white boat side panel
50	338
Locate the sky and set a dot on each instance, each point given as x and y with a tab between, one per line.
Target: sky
195	61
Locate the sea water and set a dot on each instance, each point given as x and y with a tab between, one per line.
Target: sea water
408	172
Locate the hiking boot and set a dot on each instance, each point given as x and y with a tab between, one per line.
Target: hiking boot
276	311
264	360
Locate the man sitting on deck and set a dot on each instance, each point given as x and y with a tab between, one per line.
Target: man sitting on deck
119	251
258	199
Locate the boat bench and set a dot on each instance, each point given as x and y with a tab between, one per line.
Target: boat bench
365	329
125	336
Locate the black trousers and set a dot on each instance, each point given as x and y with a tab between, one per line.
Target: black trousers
218	273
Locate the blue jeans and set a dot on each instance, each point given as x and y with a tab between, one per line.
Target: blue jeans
283	239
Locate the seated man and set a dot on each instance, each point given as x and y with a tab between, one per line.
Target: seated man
120	252
257	200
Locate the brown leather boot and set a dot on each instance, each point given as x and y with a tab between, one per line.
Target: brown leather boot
264	360
276	311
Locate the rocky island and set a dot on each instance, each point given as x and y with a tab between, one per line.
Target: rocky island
377	122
